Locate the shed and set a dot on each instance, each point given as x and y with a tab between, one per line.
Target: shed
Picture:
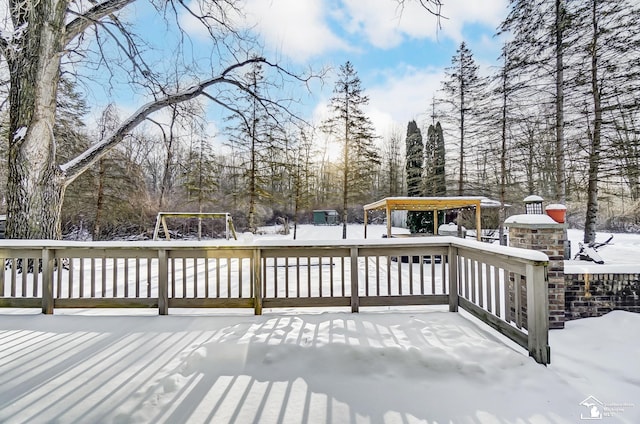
389	204
325	217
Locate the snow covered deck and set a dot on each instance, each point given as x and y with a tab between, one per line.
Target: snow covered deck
419	366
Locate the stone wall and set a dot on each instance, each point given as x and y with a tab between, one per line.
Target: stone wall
593	295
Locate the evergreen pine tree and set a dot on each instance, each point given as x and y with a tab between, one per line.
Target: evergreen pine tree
354	131
414	158
418	222
464	90
439	163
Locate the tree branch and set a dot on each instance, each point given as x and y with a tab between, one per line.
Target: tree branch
81	163
97	12
432	6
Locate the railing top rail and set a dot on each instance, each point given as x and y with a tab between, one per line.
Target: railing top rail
512	253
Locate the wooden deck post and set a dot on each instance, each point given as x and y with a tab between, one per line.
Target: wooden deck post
355	295
366	218
163	282
47	280
453	278
538	313
256	276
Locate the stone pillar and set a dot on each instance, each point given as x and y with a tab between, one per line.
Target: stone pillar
545	235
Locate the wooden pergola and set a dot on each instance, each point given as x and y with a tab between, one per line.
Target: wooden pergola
422	204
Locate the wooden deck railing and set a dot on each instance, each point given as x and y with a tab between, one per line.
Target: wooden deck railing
504	287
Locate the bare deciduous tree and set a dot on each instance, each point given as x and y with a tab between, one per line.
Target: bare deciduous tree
36	40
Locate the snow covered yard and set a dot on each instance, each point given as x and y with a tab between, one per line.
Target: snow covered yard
379	366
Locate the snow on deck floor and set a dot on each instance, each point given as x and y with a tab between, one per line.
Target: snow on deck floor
428	366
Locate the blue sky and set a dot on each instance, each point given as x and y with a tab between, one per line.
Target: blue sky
400	55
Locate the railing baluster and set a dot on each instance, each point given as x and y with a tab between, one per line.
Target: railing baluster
206	278
138	277
366	276
343	278
36	273
400	275
410	275
480	282
467	279
320	275
443	268
93	277
172	264
517	281
496	289
115	277
3	262
126	277
251	288
286	276
309	276
184	277
377	275
488	285
14	265
217	277
433	273
104	277
297	276
507	300
264	277
389	275
195	277
331	274
228	277
25	271
149	273
275	277
422	263
70	273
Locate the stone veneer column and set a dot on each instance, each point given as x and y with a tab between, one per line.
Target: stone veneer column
549	238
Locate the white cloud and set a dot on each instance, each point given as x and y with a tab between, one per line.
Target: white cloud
296	28
385	25
406	94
